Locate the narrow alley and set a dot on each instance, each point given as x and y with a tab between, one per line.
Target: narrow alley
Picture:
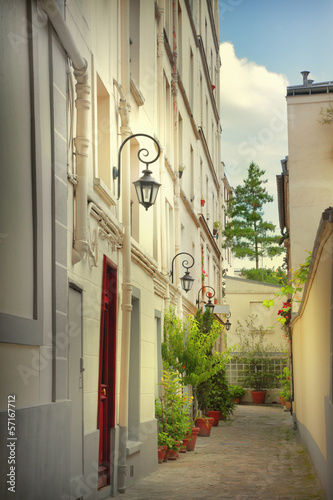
256	455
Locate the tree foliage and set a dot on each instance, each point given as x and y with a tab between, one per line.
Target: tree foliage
276	276
246	232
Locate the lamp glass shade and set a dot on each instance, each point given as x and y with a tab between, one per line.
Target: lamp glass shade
210	306
146	189
187	282
227	325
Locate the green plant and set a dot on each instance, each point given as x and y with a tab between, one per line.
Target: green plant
163	439
285	379
255	353
172	409
219	395
188	347
237	391
291	291
216	225
246	232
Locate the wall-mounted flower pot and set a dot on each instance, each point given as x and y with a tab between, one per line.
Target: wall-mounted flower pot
258	397
203	203
192	439
215	302
215	414
205	425
214	232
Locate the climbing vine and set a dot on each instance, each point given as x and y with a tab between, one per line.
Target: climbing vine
291	292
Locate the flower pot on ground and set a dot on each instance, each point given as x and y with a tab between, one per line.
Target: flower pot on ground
172	411
215	415
161	453
237	392
255	354
183	446
205	425
285	394
258	397
192	438
174	453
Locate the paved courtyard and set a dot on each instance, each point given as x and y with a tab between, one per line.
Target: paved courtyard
256	455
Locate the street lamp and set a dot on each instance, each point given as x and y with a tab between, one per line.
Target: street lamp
186	280
210	295
146	187
227	324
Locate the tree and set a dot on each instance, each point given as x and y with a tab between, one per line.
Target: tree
246	233
276	276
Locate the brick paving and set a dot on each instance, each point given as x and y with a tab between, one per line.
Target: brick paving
255	455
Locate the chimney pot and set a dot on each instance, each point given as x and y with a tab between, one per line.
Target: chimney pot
305	75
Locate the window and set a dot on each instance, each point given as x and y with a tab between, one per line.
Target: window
103	170
135	40
25	215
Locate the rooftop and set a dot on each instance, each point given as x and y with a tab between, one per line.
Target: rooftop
309	87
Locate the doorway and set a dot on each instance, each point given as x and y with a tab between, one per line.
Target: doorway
75	376
107	371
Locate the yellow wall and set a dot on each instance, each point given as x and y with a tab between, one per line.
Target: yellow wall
311	348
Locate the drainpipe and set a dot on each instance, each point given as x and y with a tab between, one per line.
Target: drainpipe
161	107
175	141
125	130
82	103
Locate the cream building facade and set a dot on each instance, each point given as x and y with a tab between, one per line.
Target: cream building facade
85	269
305	200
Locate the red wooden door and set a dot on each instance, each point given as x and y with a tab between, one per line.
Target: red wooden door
107	364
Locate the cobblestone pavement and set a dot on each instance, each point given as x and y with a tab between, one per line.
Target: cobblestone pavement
256	455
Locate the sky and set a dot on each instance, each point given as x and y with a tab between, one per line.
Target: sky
264	45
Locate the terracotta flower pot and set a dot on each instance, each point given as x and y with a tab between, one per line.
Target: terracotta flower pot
161	453
165	459
192	439
215	414
203	202
205	425
282	401
174	454
183	446
258	397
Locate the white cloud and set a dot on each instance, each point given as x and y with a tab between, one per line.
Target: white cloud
254	121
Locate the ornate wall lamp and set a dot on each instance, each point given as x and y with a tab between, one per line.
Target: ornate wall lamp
210	295
186	280
227	324
146	187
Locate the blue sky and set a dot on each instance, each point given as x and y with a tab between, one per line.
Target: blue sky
286	36
265	44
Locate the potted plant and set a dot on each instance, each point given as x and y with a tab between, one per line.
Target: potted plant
237	392
172	409
216	226
255	354
285	394
220	397
203	201
188	348
164	442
